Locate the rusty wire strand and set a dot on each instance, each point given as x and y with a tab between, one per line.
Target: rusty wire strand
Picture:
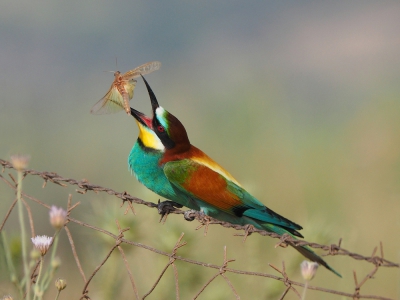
85	186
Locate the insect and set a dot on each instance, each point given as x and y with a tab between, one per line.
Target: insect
121	90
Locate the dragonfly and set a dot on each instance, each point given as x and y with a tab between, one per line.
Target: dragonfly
121	91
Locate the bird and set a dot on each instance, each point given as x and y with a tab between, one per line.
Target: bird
164	160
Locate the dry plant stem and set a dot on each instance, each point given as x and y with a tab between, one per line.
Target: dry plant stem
33	276
23	194
71	241
176	281
8	213
172	258
121	234
85	290
157	281
230	285
129	272
28	209
222	270
204	286
285	292
36	288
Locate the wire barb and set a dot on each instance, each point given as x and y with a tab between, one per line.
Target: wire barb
222	270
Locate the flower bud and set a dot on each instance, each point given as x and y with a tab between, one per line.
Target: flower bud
20	162
60	284
58	217
308	269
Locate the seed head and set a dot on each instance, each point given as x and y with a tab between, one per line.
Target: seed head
60	284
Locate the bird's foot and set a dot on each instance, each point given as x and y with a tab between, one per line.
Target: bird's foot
165	208
190	215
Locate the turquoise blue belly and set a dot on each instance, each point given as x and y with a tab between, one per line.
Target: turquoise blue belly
144	164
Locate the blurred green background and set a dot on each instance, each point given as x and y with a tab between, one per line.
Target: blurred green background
299	100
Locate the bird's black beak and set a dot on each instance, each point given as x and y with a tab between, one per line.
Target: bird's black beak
141	118
153	99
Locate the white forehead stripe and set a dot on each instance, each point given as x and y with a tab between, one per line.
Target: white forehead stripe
160	113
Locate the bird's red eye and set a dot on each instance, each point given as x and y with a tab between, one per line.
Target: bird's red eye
160	128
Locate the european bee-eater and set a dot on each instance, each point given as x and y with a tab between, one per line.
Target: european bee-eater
165	162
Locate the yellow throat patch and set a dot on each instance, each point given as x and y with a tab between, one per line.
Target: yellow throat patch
149	138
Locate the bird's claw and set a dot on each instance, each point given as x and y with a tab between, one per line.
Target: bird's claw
188	215
166	207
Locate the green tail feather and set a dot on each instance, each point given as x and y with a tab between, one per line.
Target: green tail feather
306	251
311	255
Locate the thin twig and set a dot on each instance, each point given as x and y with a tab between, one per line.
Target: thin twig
204	286
176	281
222	270
121	234
29	217
71	241
8	213
172	258
129	271
85	290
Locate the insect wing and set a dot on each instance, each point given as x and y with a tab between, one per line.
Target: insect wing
129	86
112	102
142	70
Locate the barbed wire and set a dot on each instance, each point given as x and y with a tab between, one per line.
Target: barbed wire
84	186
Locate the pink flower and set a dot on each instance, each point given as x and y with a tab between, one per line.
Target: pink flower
58	217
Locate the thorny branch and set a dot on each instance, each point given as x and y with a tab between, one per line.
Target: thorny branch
84	186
